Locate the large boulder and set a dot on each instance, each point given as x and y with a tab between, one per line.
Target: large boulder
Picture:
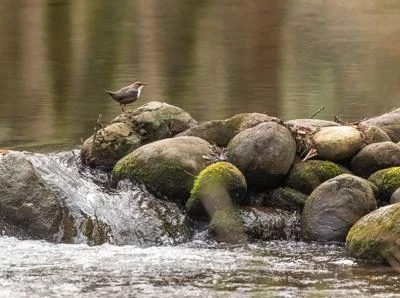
387	181
218	178
150	122
306	176
337	143
374	157
28	207
220	132
167	167
389	122
375	235
264	154
334	206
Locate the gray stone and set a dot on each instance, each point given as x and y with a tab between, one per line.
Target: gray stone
334	206
374	157
389	122
264	154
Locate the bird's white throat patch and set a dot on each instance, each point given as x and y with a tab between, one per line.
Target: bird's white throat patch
140	90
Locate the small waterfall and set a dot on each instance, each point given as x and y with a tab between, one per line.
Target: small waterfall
126	215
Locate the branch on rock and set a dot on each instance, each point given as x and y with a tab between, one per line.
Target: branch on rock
216	154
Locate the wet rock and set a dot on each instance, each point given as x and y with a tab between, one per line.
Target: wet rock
28	207
150	122
264	154
375	235
334	206
285	198
387	181
213	186
374	157
306	176
374	134
220	132
389	122
337	143
167	167
395	198
269	223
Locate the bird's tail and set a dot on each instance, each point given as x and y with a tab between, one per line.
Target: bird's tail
111	93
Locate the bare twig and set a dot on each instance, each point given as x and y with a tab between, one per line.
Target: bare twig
317	112
98	126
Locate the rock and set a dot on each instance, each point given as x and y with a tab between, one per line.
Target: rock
167	167
264	154
374	157
334	206
269	223
337	143
375	134
389	122
306	176
220	132
150	122
286	198
309	123
395	198
374	235
218	178
28	207
226	226
387	181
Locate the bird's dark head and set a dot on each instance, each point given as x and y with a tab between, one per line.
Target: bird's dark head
138	84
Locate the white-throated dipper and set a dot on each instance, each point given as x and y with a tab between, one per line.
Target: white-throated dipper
127	94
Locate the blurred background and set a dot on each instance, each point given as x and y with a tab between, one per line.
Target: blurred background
214	59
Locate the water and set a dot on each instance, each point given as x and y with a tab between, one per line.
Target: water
273	269
214	59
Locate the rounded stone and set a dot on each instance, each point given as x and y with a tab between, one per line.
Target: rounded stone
337	143
334	206
374	157
264	154
167	167
387	181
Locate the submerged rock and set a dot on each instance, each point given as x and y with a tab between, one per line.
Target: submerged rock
387	181
375	235
389	122
306	176
337	143
334	206
213	186
167	167
220	132
28	207
374	157
150	122
264	154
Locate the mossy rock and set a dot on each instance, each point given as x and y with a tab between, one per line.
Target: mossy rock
286	198
375	234
226	226
213	186
306	176
387	181
167	167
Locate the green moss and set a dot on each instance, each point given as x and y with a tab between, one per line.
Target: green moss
374	233
387	181
226	226
306	176
210	185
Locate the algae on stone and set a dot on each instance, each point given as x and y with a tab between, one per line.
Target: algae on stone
211	186
387	181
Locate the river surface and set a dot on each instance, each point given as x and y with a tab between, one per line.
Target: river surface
214	59
196	269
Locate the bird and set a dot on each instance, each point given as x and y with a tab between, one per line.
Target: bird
128	94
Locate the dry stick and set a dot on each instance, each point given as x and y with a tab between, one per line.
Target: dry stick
317	112
97	128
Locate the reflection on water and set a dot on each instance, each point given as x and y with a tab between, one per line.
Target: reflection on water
197	269
212	58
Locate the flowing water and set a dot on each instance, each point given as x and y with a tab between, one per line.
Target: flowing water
214	59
